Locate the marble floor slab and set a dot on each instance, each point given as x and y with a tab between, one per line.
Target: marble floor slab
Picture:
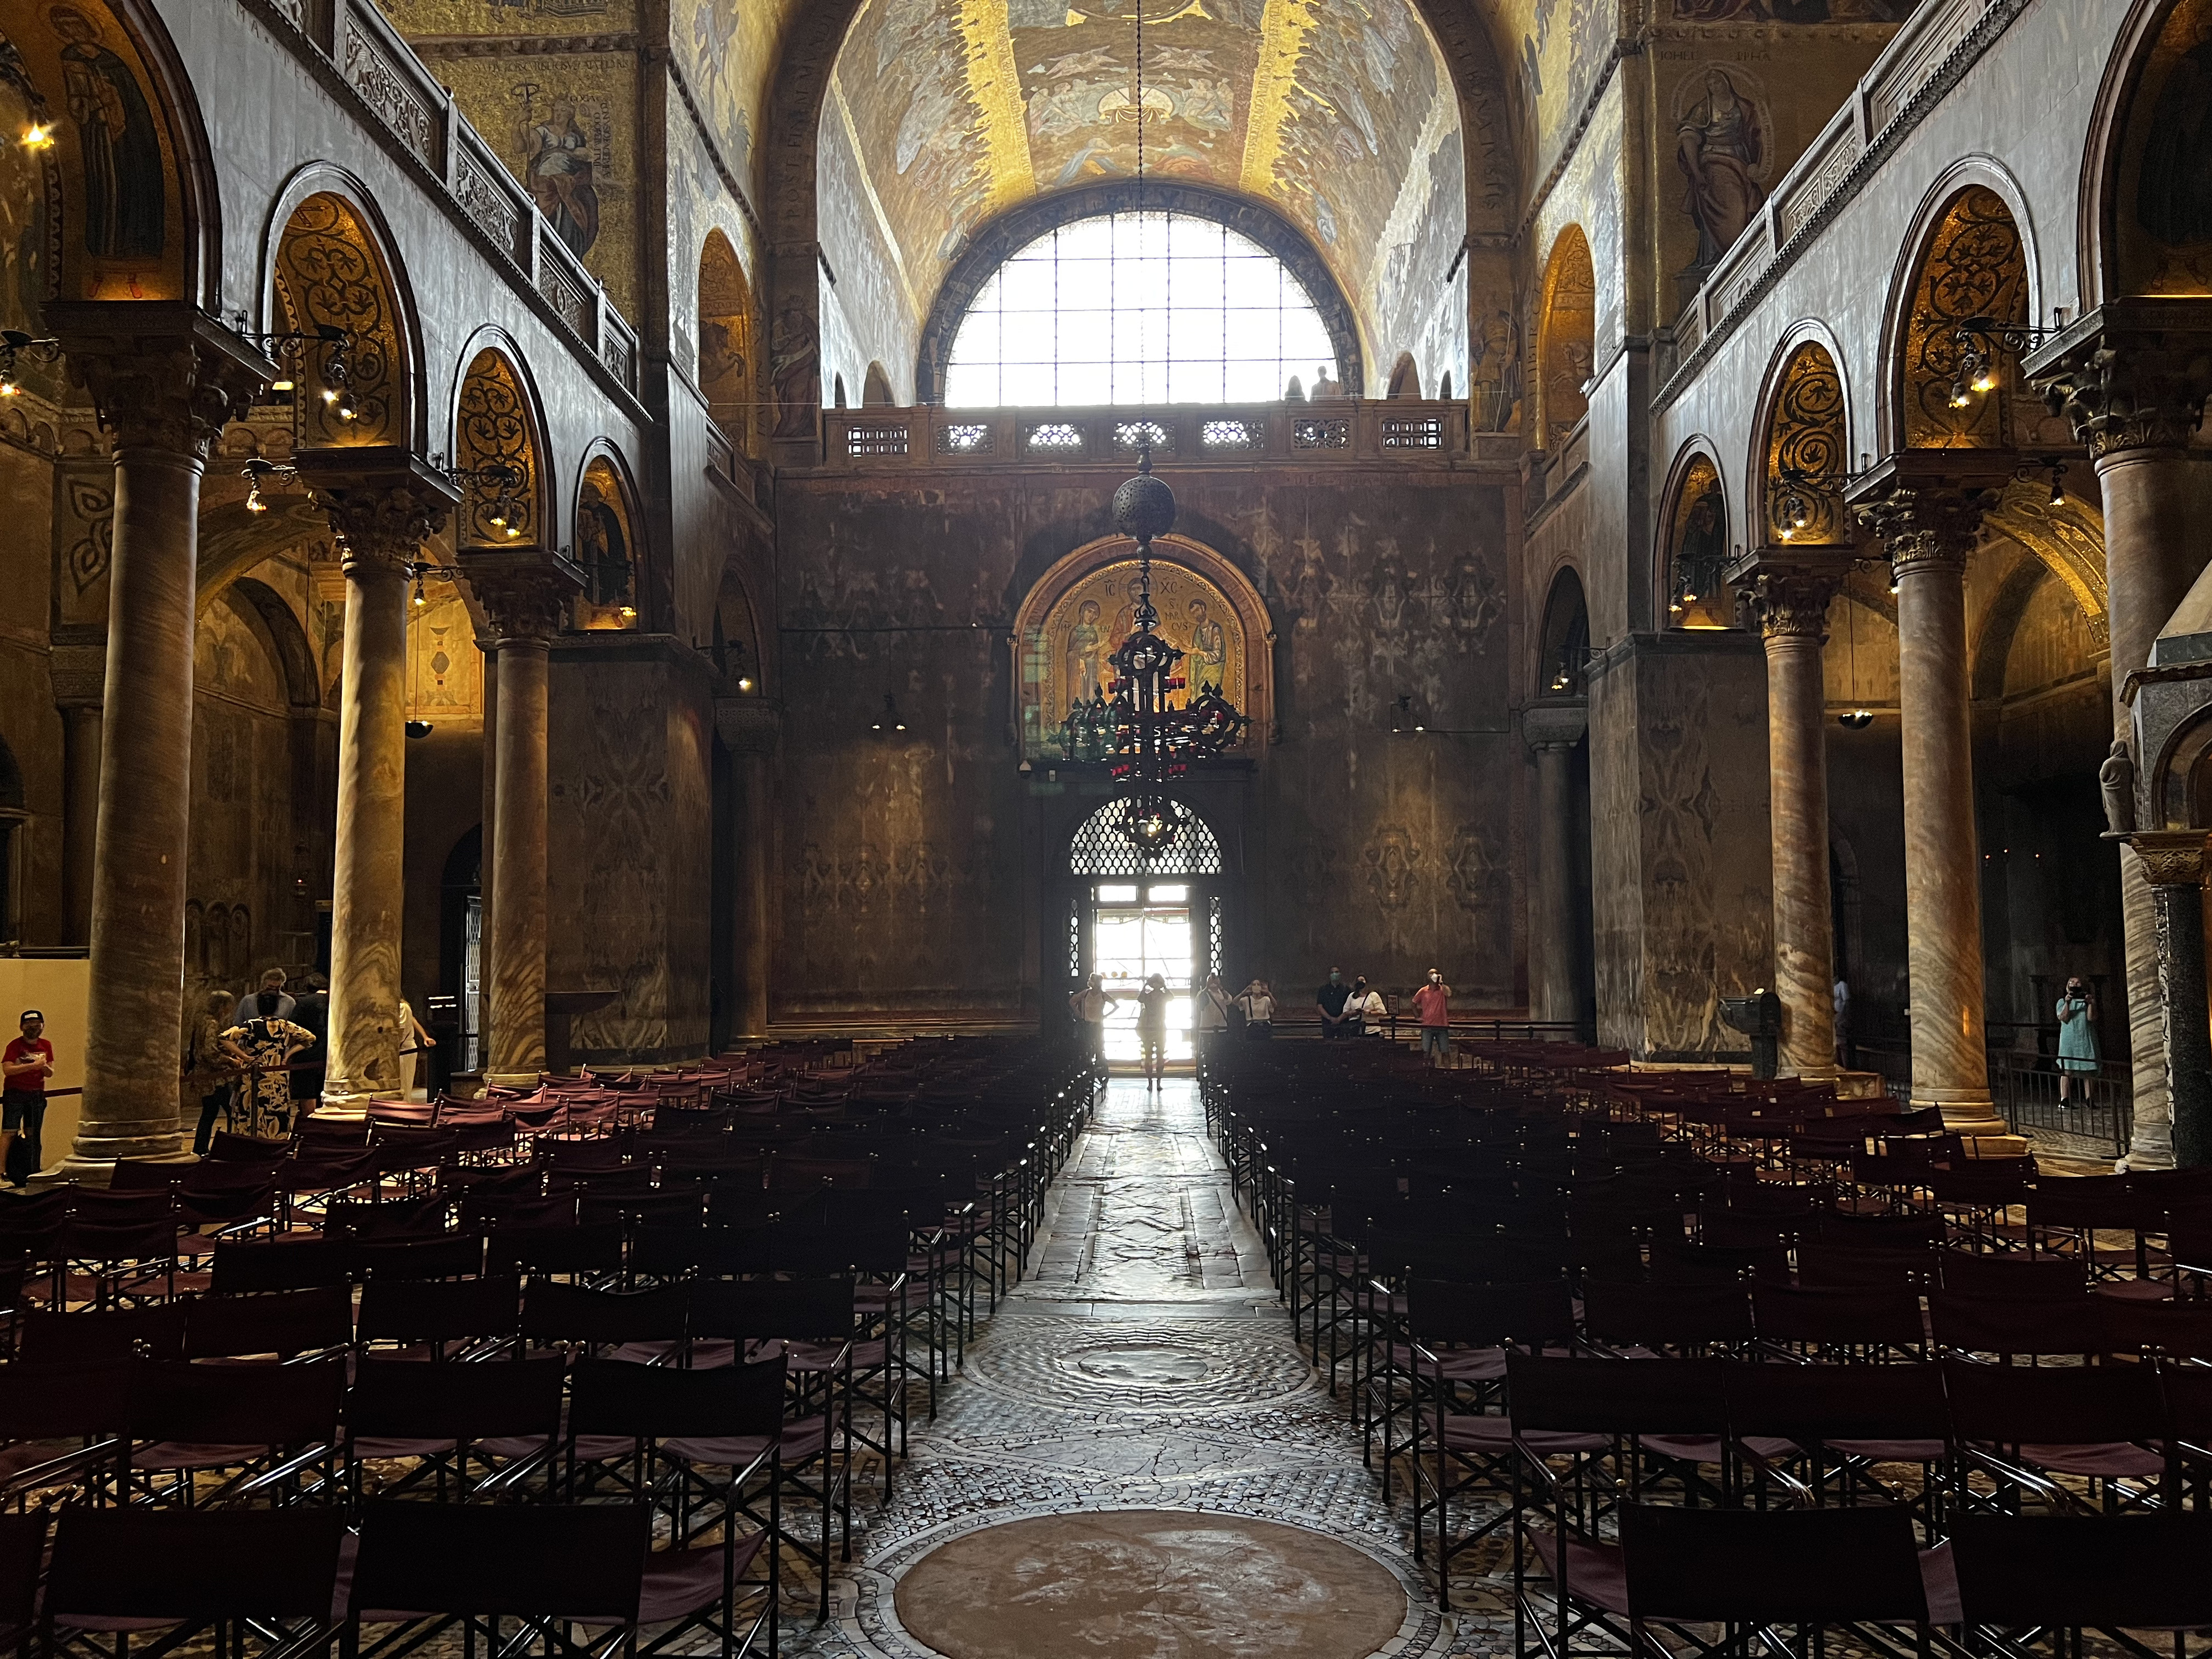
1144	1364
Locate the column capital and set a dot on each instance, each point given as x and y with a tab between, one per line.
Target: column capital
749	725
1790	591
2171	858
383	502
1554	723
79	674
525	591
2134	373
163	373
1925	506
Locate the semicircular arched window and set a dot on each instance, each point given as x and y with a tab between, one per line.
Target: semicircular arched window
1136	307
1100	849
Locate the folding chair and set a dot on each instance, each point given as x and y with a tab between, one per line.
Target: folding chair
22	1555
281	1264
424	1568
40	1404
2020	1581
640	1325
130	1262
1646	1320
1755	1573
581	1253
759	1319
439	1318
2070	1322
285	1324
469	1430
253	1574
61	1339
267	1431
1871	1323
2022	1430
1841	1424
683	1422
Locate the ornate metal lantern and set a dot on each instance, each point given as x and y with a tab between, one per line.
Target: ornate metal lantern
1137	725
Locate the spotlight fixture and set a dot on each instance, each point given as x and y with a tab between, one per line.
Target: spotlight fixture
38	135
419	728
744	683
288	349
13	342
1403	721
420	598
1979	340
889	720
1856	719
257	472
2054	470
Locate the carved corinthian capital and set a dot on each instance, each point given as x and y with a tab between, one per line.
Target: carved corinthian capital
383	503
2133	374
1925	506
163	374
1788	589
525	592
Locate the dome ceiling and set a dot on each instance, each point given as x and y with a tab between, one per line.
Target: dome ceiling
1340	115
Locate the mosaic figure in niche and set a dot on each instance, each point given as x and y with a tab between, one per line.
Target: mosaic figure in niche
125	199
23	226
795	371
605	553
1206	658
558	167
1086	652
1717	143
2173	190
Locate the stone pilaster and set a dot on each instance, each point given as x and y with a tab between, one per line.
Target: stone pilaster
1791	594
1926	506
383	505
1552	729
2172	863
166	378
751	728
527	593
79	673
2132	378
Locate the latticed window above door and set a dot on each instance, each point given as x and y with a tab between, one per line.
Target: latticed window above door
1100	848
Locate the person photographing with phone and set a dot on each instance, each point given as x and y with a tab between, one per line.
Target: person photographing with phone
25	1065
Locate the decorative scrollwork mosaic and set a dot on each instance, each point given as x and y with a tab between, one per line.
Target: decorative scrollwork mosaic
1807	454
327	273
1976	267
492	435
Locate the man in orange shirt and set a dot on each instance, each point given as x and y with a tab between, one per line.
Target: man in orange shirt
25	1065
1432	1002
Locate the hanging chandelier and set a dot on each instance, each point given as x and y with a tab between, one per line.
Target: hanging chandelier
1136	724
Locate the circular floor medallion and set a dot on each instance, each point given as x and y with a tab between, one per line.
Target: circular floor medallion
1150	1584
1143	1365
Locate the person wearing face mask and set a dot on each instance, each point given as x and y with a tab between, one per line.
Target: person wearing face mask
2077	1043
1331	999
1367	1014
1432	1003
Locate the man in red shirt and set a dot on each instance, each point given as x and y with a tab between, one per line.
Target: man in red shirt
1432	1002
25	1065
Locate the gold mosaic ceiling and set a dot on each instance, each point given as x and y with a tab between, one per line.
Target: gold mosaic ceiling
961	108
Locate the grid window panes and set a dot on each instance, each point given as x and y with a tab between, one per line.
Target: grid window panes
1137	308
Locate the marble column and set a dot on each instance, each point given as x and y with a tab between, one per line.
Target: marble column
1790	599
750	728
383	505
2132	377
527	594
487	642
2172	863
1552	729
166	378
80	673
1926	506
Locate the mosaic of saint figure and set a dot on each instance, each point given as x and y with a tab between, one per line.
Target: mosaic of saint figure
125	202
558	170
604	553
1086	653
1206	658
1717	143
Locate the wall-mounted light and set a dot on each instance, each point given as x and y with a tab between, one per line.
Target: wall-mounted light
744	683
14	340
888	720
1403	721
38	135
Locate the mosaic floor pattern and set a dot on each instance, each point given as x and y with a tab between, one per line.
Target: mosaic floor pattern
1143	1365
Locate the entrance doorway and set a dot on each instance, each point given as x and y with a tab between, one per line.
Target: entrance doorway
1138	929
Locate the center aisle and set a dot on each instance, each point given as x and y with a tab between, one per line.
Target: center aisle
1143	1364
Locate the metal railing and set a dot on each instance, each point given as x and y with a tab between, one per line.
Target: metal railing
2102	1110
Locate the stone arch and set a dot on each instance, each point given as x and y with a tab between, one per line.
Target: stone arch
497	424
1802	450
1248	632
1562	644
876	389
608	545
286	639
145	217
1566	336
2121	250
740	652
1695	541
332	263
1405	377
729	342
2068	536
1968	255
996	241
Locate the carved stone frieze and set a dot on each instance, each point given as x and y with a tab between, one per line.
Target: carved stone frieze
163	374
2134	374
2171	858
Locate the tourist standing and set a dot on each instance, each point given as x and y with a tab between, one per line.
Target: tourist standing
1366	1014
263	1048
1090	1003
211	1066
272	1002
1152	1030
1330	999
1211	1018
2078	1059
312	1015
1433	1005
25	1065
1258	1003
